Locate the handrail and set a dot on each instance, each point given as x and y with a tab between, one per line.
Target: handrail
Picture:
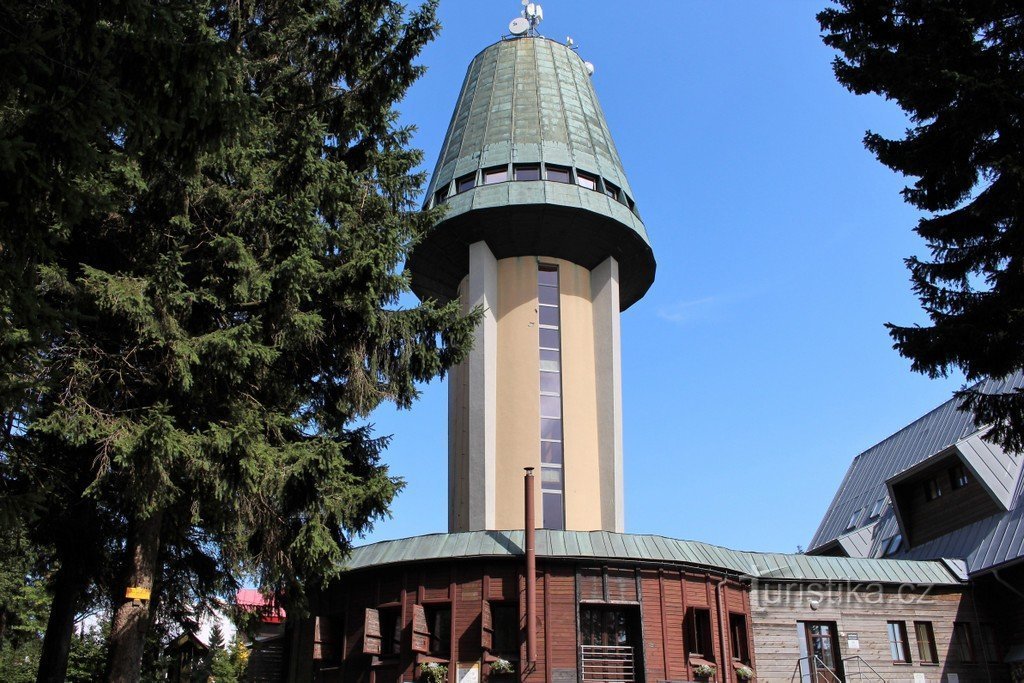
819	665
860	661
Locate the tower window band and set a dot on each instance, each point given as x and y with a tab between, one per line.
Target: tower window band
552	480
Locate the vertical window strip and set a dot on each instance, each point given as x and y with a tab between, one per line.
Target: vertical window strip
552	481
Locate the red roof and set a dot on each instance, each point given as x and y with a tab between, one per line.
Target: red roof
250	599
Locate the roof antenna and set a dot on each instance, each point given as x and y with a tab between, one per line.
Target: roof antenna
527	24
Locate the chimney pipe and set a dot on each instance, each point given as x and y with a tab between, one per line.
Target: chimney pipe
531	570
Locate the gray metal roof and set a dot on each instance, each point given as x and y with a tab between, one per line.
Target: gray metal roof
989	542
606	545
531	101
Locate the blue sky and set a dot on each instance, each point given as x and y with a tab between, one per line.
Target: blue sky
757	366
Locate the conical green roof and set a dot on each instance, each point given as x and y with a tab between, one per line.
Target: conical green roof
528	107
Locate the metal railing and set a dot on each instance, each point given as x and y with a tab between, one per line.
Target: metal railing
859	673
608	663
816	669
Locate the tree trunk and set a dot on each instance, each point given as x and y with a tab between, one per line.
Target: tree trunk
60	626
131	620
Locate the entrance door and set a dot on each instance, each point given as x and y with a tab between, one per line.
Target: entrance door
825	661
609	640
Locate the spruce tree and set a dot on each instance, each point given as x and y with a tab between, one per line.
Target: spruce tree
205	307
957	70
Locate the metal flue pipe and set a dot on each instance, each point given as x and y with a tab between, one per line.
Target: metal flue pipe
531	569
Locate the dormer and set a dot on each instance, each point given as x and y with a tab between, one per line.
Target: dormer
969	481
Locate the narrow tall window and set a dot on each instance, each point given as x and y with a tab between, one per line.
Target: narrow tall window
898	645
964	639
927	653
552	480
740	643
390	630
958	476
699	640
439	621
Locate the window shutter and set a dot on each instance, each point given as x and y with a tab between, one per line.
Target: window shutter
486	627
371	632
420	632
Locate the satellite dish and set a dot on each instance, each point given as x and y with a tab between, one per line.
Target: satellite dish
518	26
590	67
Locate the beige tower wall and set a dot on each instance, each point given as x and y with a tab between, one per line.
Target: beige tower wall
592	463
583	499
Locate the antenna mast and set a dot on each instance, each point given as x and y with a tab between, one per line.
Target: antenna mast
527	24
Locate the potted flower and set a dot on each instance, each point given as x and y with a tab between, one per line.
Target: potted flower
744	673
434	672
501	667
704	671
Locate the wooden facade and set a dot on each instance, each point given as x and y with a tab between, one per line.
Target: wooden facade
933	504
861	620
593	619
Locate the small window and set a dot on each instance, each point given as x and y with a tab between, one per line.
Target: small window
551	453
698	634
876	509
548	338
586	180
552	510
854	518
894	544
498	174
548	315
932	489
439	622
558	174
612	191
551	478
550	429
898	645
550	383
441	196
738	633
964	640
526	172
466	182
958	476
926	650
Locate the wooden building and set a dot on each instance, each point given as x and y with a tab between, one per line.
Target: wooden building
622	608
938	489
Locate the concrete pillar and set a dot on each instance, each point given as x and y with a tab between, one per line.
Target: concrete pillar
482	291
604	285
